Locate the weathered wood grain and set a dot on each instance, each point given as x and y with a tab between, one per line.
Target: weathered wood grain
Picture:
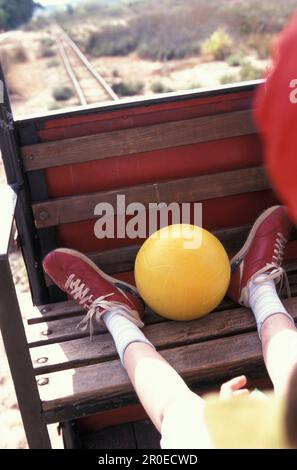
165	335
136	140
200	188
203	362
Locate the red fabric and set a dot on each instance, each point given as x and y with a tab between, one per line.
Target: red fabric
277	119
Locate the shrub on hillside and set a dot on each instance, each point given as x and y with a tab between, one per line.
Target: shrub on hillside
128	88
229	78
62	93
115	40
47	48
218	46
249	71
236	59
159	87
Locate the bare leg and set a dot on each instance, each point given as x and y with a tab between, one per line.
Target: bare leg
279	343
158	386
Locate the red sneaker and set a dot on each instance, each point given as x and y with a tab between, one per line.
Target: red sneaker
262	253
91	288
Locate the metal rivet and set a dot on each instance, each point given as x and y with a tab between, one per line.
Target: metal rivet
47	332
43	215
31	157
42	360
44	381
45	309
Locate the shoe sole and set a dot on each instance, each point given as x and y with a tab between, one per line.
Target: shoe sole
251	235
87	260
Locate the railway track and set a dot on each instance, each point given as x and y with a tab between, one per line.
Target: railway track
88	83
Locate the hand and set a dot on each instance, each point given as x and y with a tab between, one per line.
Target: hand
234	387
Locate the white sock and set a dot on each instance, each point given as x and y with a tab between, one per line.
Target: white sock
123	331
264	301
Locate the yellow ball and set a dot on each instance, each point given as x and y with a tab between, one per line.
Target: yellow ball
182	272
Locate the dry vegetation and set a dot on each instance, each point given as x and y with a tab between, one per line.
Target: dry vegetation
190	33
145	46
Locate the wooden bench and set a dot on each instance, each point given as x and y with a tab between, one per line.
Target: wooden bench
190	147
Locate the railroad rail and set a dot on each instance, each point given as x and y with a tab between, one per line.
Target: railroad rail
88	83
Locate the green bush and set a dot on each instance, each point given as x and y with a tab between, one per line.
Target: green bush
228	78
159	87
249	71
48	42
236	59
157	50
62	93
218	46
112	41
47	48
14	13
128	88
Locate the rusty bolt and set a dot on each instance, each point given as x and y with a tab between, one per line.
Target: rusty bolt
42	360
47	332
44	381
43	215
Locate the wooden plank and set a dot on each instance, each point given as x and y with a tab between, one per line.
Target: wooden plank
240	354
69	309
168	334
199	188
55	311
115	437
136	140
54	330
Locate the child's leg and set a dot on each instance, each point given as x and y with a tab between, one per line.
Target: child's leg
176	412
277	332
279	343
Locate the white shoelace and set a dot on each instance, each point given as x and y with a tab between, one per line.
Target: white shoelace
98	306
274	270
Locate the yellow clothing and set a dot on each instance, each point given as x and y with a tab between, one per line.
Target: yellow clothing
246	422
